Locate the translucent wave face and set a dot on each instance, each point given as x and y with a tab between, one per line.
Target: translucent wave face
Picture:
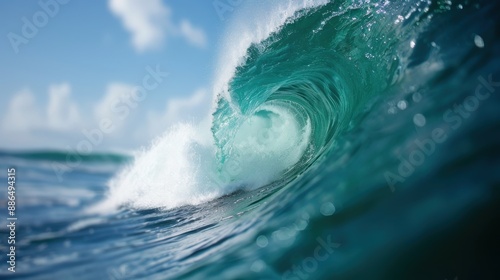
265	145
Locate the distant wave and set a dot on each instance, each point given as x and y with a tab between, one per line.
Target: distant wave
63	156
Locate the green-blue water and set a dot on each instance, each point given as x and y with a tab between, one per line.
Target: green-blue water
357	140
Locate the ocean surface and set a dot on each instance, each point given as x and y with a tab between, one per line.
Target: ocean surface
348	140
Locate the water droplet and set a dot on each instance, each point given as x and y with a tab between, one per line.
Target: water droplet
402	105
301	224
478	41
419	120
284	233
417	97
400	19
262	241
327	209
257	266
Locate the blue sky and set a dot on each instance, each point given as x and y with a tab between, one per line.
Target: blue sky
88	54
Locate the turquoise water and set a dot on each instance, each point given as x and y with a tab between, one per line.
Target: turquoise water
349	140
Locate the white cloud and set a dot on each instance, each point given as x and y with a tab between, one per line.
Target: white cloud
29	124
62	113
22	112
115	94
149	22
59	122
193	34
179	106
190	108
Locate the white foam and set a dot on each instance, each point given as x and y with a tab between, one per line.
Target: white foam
169	174
180	168
253	22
